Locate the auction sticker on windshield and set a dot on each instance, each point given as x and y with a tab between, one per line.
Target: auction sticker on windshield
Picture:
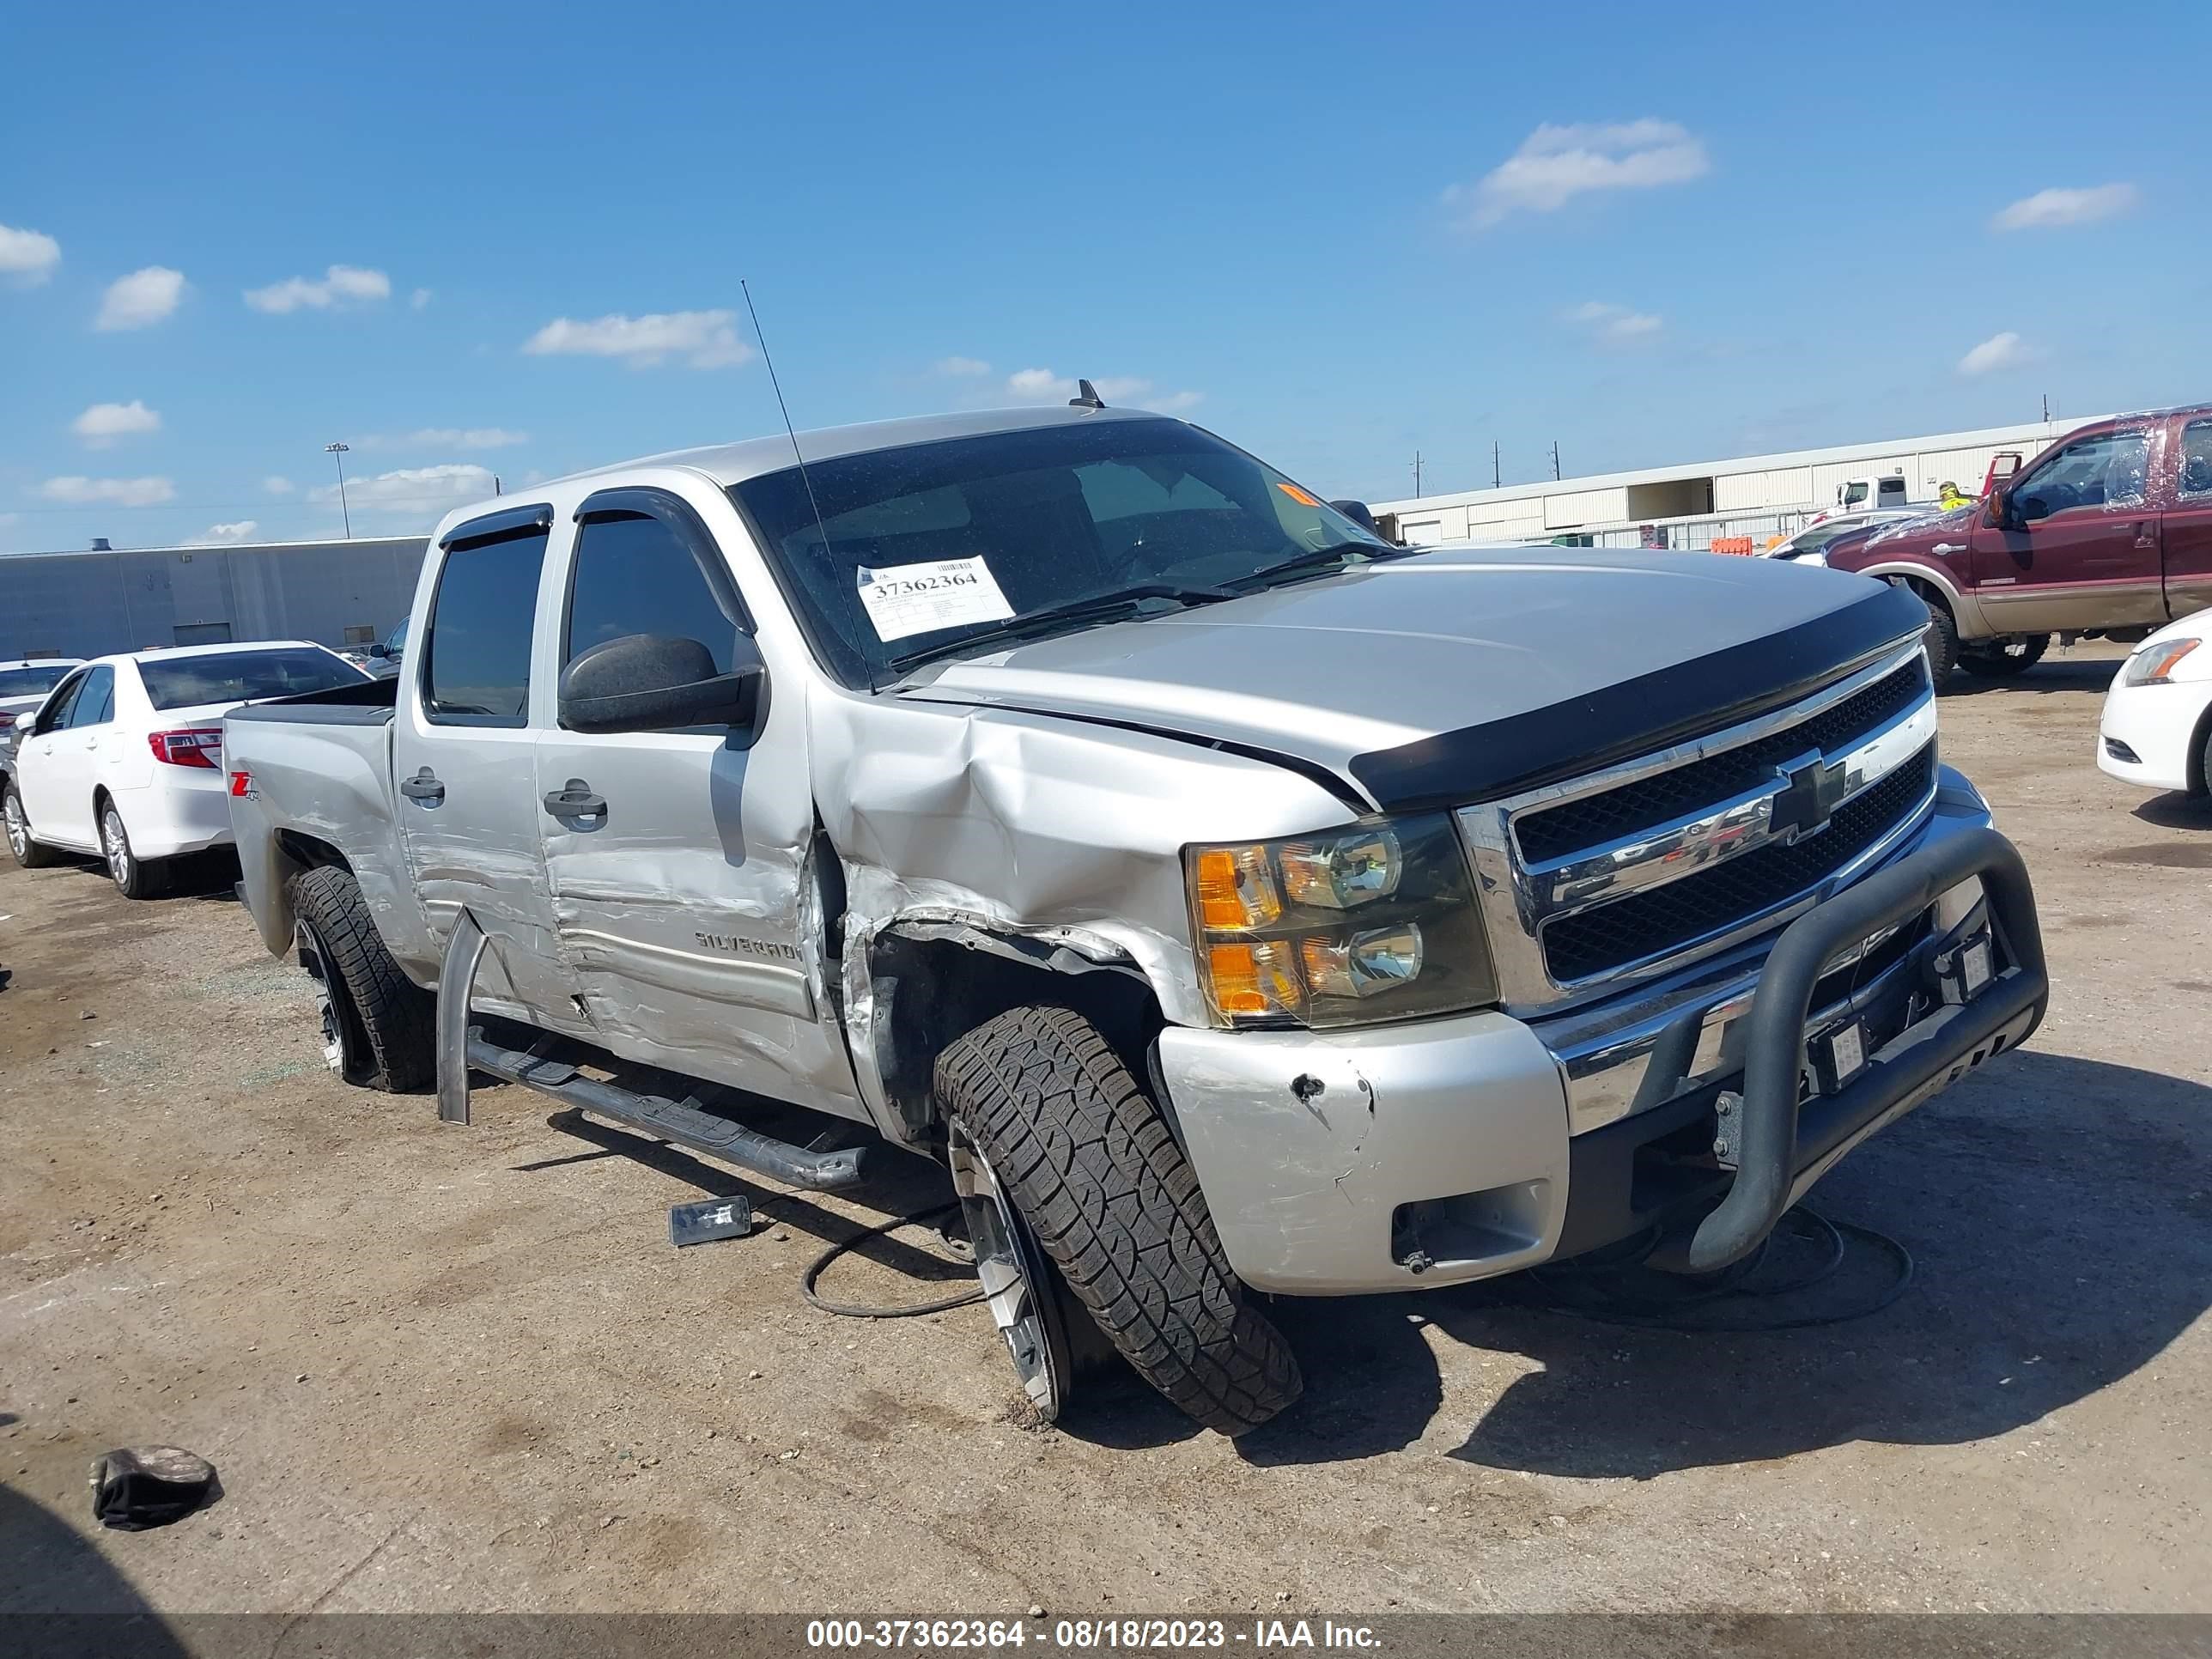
920	598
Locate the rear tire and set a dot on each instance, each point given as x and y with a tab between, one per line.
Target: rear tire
133	877
379	1028
28	853
1097	1178
2005	658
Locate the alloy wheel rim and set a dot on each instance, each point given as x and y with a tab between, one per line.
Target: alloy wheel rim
118	848
19	835
1012	1275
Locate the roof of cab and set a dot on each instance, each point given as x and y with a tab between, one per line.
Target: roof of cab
731	464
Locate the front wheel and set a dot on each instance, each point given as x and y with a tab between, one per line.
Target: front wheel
2005	658
30	855
1091	1173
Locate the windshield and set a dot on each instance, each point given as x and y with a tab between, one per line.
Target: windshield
242	675
935	544
31	682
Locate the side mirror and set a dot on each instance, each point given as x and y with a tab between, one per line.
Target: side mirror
380	649
646	682
1358	513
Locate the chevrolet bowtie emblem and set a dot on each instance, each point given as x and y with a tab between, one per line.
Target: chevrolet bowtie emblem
1804	807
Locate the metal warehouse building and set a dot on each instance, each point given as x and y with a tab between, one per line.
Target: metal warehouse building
1688	506
86	604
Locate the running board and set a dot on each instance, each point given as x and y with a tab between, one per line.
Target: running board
676	1120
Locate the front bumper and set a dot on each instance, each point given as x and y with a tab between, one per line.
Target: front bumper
1434	1153
2147	734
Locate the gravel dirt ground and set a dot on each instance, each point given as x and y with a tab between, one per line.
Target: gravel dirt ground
445	1369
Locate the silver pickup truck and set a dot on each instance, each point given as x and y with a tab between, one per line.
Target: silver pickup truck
1232	901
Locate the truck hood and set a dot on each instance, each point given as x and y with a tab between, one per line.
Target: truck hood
1914	537
1457	673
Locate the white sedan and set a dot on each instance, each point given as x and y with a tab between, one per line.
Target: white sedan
2157	727
124	758
1810	544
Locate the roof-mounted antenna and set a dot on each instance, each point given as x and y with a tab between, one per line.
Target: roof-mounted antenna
1086	396
821	529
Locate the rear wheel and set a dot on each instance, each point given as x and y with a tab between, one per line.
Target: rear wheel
133	877
31	854
2005	658
378	1029
1088	1169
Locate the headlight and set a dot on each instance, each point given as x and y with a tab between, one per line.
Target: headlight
2154	664
1370	923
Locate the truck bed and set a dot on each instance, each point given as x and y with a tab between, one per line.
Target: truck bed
319	791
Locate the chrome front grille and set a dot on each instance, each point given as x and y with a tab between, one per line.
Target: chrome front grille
1646	866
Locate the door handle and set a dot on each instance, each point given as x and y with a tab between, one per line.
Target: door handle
2146	533
574	799
424	786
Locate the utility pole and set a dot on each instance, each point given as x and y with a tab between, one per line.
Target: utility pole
1417	472
338	452
1555	460
1497	477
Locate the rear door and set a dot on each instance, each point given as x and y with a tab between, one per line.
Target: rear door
2188	529
2082	548
679	859
464	766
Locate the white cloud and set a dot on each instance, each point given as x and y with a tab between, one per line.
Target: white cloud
419	298
77	491
444	437
216	534
2050	208
962	367
1037	385
1176	401
1999	352
340	285
27	256
703	339
1615	325
103	423
1555	164
140	300
277	484
423	491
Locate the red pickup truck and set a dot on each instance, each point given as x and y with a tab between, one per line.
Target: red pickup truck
2107	532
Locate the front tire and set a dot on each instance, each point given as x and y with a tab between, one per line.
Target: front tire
133	877
28	853
1086	1161
1941	641
379	1027
2006	658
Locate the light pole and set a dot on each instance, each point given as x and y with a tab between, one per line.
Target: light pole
338	452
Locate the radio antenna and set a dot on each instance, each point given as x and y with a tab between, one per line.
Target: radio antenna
790	431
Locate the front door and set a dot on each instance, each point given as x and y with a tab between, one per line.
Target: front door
2187	528
465	770
2081	548
50	768
679	860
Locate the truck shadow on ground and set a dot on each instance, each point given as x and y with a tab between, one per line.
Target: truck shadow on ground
2056	1209
58	1594
2043	679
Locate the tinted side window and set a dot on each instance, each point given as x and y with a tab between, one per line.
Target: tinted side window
55	715
2197	458
634	574
2104	471
95	703
476	657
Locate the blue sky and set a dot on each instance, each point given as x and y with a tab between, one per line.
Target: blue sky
507	238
